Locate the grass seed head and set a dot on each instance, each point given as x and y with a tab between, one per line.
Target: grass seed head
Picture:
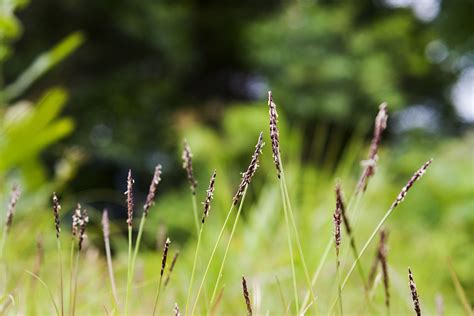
414	293
165	255
246	296
382	254
82	228
14	196
371	162
76	218
340	204
105	223
129	194
209	197
274	133
176	310
249	173
188	166
337	225
150	199
56	209
410	183
173	262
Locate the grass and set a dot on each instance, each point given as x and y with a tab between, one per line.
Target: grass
276	277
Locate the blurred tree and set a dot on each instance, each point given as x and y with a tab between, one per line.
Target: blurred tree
147	61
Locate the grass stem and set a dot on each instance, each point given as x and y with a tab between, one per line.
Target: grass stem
129	270
194	266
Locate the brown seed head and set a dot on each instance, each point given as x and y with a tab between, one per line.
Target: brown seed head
56	209
382	254
176	310
152	191
76	218
414	293
410	183
165	255
105	224
209	197
274	133
252	168
246	296
337	225
188	166
129	194
82	228
340	204
370	163
14	196
173	262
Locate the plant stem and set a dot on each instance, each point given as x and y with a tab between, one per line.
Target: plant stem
3	241
298	243
58	243
71	280
221	269
339	290
129	277
292	258
74	293
157	295
361	253
212	256
194	267
111	271
195	211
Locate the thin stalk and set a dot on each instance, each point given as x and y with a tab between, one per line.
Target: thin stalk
212	257
71	279
221	269
194	266
157	296
135	250
295	289
46	287
74	293
325	256
195	211
58	243
111	271
129	272
3	241
298	243
339	290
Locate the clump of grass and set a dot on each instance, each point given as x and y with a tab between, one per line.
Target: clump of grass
414	293
246	296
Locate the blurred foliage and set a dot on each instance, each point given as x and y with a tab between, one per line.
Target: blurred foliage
328	63
28	128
